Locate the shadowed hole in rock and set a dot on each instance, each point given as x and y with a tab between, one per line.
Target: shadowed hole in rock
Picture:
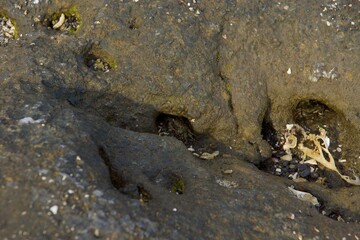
175	126
122	183
268	131
68	20
312	115
117	180
98	59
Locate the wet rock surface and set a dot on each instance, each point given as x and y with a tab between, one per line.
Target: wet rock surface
103	128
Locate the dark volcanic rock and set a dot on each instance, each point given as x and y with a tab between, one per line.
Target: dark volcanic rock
80	153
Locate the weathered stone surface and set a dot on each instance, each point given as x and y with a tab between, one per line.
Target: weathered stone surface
80	155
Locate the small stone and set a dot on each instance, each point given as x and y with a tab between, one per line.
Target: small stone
288	71
304	170
292	166
284	163
286	157
227	171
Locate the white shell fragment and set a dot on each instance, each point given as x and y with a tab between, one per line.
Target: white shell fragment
226	183
28	120
60	22
288	71
291	142
289	126
305	196
54	209
191	149
209	156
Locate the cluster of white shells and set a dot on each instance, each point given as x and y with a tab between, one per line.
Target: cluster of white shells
7	30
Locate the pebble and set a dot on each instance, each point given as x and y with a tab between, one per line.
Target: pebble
304	170
292	167
227	171
287	157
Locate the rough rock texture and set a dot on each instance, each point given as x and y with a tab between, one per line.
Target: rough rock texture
80	154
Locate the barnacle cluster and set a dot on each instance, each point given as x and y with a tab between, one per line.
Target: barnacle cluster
314	148
7	30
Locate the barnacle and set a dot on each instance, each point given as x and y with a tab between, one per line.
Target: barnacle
320	152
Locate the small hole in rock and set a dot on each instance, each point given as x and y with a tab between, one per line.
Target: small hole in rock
312	114
134	23
175	126
98	59
117	180
65	20
144	194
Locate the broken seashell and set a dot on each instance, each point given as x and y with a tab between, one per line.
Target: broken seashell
290	142
209	156
289	126
60	22
305	196
226	183
191	149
